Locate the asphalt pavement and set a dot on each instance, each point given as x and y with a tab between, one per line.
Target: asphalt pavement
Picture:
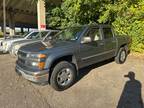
103	85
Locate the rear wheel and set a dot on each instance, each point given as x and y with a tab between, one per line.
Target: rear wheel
121	56
63	76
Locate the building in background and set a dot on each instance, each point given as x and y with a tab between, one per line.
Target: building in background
25	14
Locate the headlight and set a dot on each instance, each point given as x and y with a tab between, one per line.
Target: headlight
37	56
34	63
4	44
32	56
37	60
16	47
39	65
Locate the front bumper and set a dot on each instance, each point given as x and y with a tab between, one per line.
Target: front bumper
39	77
13	52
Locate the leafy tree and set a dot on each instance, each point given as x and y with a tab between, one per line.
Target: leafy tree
128	20
73	12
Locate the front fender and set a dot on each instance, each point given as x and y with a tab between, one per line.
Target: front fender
53	57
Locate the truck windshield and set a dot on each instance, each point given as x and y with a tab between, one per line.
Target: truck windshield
69	34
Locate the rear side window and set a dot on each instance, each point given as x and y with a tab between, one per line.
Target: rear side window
107	33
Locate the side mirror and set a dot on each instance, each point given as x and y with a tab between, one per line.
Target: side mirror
86	40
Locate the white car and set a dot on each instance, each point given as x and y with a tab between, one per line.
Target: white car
1	39
6	38
42	36
6	44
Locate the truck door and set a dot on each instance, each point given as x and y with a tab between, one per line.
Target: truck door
91	47
110	42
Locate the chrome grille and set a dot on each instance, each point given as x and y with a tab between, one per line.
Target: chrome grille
22	57
22	54
22	61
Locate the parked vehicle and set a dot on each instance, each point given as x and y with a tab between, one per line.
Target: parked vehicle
58	60
6	44
6	38
16	45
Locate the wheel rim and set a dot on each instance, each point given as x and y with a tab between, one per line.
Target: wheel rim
64	77
123	56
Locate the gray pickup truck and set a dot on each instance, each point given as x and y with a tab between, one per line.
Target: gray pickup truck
58	59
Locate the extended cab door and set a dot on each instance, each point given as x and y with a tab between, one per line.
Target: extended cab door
110	42
91	47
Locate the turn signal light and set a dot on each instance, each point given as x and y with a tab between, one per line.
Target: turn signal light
41	65
41	56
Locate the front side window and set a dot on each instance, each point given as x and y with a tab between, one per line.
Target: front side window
107	33
92	35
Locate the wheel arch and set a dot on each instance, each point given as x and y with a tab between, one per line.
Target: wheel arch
68	57
125	45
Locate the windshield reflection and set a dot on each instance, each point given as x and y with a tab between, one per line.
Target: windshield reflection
69	34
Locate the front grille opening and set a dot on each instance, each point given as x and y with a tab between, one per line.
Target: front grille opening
22	54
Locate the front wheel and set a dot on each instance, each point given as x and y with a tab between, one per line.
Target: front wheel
121	56
63	76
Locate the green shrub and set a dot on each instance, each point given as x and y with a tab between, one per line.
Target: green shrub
128	19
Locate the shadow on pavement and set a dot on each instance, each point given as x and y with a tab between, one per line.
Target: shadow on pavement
84	71
131	96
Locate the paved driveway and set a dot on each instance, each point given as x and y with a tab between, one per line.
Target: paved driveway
99	86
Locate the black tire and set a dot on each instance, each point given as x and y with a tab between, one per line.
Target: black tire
59	69
122	52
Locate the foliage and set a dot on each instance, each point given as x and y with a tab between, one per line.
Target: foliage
128	20
73	12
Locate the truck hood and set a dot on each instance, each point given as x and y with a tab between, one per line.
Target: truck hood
42	47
